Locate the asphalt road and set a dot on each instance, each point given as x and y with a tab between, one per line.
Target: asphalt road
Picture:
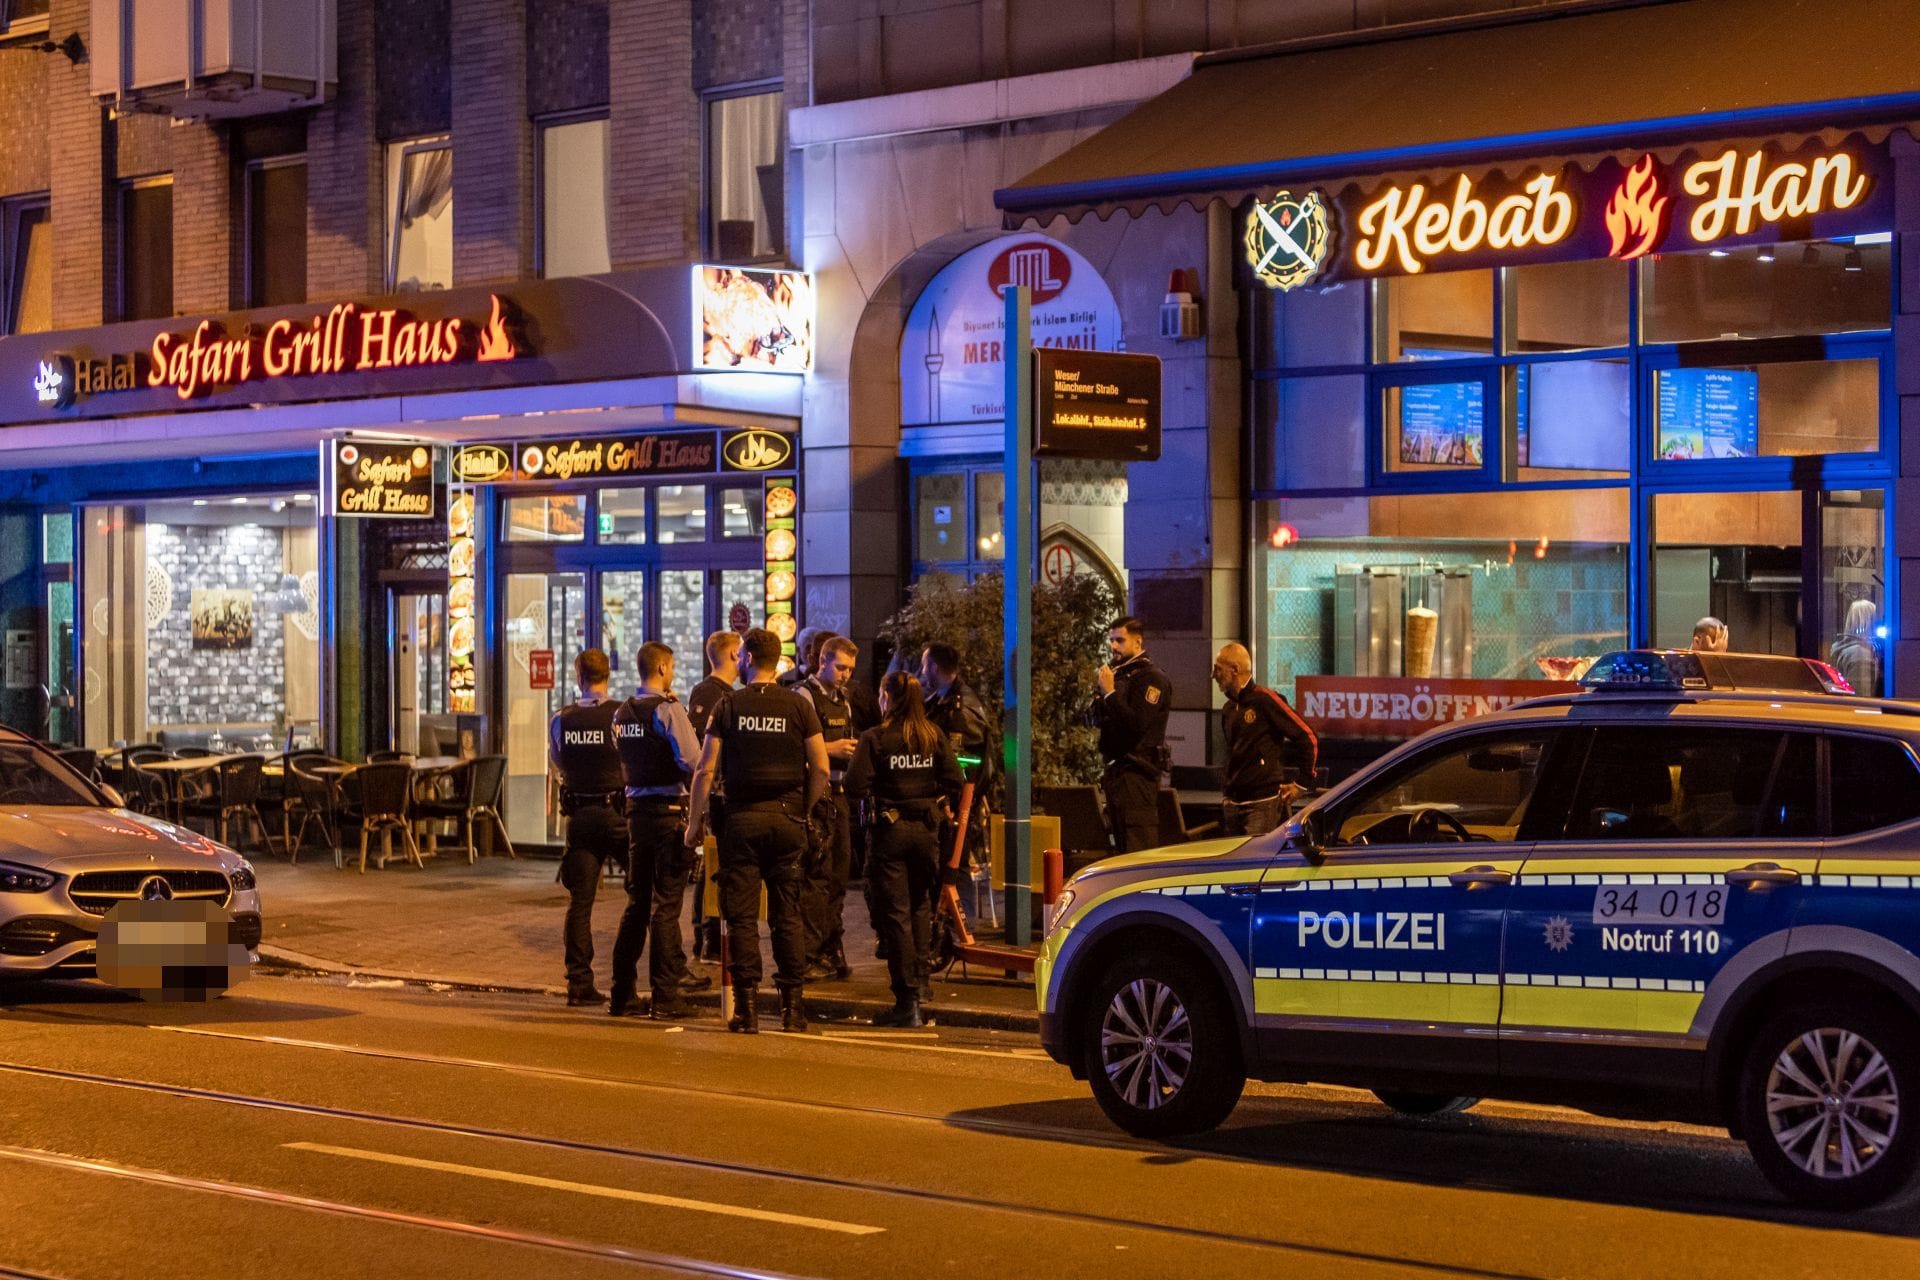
309	1128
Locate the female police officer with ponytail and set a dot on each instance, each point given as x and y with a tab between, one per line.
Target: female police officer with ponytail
905	770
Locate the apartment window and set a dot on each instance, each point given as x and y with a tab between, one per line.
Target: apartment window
573	198
277	231
420	214
745	177
23	15
146	249
29	259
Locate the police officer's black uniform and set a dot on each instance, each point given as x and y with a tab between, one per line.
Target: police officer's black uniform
830	860
1265	739
701	701
591	791
1133	737
904	789
657	755
958	713
763	732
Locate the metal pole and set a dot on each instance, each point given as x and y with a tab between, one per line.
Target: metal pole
1019	526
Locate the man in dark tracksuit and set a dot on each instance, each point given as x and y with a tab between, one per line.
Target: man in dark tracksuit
1131	714
905	786
580	744
1265	739
658	750
830	863
723	672
765	743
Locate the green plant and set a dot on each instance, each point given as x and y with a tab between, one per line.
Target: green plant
1069	643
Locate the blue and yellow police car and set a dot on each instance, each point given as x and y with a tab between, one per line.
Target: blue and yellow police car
1689	891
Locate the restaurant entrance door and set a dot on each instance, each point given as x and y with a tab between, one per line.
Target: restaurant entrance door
418	719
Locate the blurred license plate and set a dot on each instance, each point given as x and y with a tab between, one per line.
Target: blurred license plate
169	950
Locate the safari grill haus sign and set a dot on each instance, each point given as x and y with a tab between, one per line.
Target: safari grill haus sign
248	353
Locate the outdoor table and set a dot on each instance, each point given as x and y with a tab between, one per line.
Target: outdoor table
174	774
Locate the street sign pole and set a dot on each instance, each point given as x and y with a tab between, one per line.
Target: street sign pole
1020	526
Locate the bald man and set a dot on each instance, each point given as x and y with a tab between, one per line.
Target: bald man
1709	636
1265	738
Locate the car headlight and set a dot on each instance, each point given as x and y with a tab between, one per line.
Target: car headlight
1057	911
243	878
15	878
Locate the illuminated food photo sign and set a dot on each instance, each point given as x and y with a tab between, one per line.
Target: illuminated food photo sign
781	548
462	616
1622	209
753	321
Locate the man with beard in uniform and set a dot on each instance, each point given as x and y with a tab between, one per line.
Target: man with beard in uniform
765	744
580	744
830	862
657	754
1131	714
1265	738
723	662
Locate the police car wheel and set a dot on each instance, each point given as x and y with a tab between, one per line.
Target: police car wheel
1829	1099
1408	1103
1159	1049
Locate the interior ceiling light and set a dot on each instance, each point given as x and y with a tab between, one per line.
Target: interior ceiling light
1716	253
1765	253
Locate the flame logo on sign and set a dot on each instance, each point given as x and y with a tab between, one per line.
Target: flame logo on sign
1636	215
495	342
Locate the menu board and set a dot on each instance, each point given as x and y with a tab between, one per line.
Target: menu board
782	559
462	619
1709	413
1443	423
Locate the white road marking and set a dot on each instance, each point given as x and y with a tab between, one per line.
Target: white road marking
592	1189
1029	1055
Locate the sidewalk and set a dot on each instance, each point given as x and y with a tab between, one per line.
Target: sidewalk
496	925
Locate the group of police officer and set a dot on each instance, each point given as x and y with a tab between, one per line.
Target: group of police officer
771	768
773	764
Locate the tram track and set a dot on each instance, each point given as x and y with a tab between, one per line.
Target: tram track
697	1164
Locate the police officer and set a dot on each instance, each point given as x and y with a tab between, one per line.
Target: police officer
580	744
723	666
1131	714
806	651
830	863
957	712
906	770
1265	739
765	743
657	754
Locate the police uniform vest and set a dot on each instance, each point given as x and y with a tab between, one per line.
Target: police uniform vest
764	757
836	717
589	761
903	777
646	754
701	702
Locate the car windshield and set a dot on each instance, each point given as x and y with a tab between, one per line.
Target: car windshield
29	776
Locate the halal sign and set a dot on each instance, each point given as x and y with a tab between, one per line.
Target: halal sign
1287	239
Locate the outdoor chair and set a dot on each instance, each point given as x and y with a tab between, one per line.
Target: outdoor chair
234	793
85	761
381	798
1173	823
1083	825
144	791
389	757
468	794
311	798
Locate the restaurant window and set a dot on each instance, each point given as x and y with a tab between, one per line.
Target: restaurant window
420	214
1444	315
1808	288
740	513
745	195
200	622
1310	328
1570	419
146	249
623	517
1435	425
560	517
1779	409
573	198
680	512
1565	306
940	517
29	257
276	218
1310	433
20	16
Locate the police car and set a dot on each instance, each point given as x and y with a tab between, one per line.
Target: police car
1689	891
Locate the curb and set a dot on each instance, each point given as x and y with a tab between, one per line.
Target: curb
827	1007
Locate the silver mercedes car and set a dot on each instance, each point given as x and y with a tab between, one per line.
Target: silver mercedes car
70	855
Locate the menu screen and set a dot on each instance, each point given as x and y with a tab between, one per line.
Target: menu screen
1709	413
1443	423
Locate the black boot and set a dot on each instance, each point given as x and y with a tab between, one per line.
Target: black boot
669	1006
746	1019
905	1013
626	1003
836	960
793	1013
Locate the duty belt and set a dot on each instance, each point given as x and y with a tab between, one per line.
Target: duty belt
672	804
595	800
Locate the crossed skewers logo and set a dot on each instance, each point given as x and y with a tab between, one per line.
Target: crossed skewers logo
1287	239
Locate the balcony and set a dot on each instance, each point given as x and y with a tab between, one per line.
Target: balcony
213	59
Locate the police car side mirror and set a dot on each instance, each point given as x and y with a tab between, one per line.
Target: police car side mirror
1303	835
